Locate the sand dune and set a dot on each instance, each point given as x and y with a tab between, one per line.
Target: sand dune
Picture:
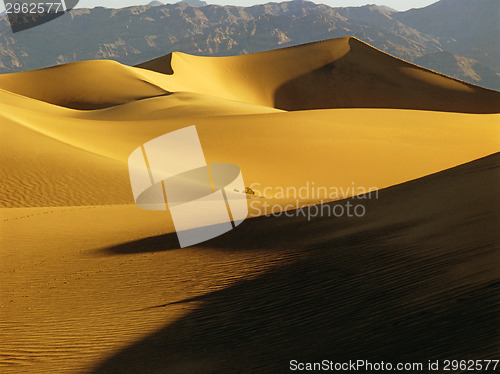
91	283
38	170
54	159
110	292
408	283
337	73
82	85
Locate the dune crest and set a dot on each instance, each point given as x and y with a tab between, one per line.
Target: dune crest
83	85
330	74
336	73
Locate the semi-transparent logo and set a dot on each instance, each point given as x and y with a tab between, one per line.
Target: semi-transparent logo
170	173
25	14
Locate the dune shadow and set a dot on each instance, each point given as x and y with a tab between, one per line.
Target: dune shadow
317	309
161	64
257	233
416	280
151	244
368	78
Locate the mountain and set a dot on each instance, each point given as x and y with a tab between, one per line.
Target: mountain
194	2
137	34
465	27
464	68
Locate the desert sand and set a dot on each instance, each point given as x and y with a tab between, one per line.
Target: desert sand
92	284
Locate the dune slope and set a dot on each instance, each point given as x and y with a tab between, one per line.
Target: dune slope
38	170
415	280
54	156
82	85
108	290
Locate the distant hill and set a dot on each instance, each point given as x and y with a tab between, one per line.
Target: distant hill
467	27
136	34
194	2
464	68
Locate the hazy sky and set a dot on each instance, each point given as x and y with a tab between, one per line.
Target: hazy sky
396	4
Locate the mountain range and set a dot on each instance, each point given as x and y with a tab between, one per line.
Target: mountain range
455	37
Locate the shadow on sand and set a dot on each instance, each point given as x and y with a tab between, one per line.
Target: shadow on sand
416	279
